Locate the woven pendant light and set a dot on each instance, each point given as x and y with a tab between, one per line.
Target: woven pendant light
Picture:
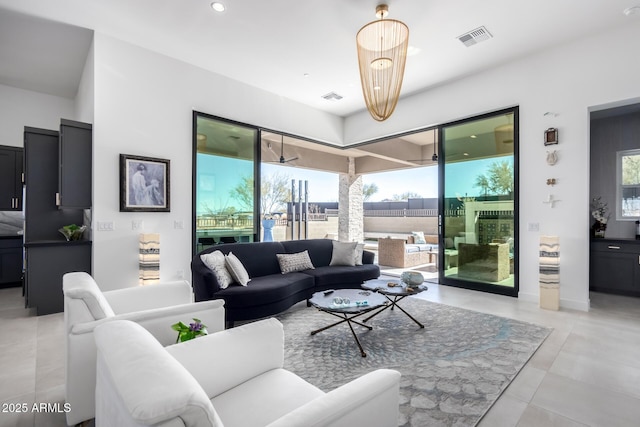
382	54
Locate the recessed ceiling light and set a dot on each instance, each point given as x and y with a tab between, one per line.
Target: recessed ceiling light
473	136
217	6
305	75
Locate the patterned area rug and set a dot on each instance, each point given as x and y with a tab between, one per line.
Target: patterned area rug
453	370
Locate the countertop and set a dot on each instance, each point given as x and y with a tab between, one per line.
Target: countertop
11	236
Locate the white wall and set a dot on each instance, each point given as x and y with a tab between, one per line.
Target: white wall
22	108
143	106
85	100
567	80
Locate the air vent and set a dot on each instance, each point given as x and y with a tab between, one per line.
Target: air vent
332	96
475	36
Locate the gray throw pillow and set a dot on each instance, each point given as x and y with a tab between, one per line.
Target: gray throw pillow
343	253
237	270
294	262
215	261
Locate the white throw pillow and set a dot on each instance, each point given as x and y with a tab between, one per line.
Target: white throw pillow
358	253
418	237
215	261
343	253
237	270
295	262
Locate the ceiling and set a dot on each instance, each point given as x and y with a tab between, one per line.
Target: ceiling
273	44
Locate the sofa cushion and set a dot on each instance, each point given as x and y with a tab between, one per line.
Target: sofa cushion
216	262
266	289
273	394
236	269
343	253
327	277
294	262
258	258
319	250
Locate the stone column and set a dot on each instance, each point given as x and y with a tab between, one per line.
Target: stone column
350	209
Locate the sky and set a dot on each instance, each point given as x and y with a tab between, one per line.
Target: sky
214	188
323	186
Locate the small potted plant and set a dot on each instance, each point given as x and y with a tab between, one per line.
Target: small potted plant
72	231
191	331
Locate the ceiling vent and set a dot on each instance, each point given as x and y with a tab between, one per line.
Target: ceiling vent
475	36
332	96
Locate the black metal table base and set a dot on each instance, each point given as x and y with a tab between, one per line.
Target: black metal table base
394	303
349	320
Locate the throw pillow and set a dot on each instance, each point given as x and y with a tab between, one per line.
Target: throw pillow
343	253
294	262
216	263
418	237
358	253
237	270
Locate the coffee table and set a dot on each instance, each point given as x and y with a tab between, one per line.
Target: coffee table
324	301
393	294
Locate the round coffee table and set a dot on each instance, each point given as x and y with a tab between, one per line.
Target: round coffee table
360	302
394	294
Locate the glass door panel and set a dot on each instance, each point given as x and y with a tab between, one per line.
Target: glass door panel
224	181
479	203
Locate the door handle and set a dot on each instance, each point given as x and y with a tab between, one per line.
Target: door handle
613	247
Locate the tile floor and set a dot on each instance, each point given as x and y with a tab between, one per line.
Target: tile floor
587	373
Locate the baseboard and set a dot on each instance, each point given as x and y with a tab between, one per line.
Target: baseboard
564	303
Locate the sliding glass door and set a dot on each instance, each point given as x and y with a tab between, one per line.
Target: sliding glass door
478	203
225	171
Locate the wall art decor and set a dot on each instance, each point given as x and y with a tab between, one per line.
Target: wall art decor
552	157
551	136
144	184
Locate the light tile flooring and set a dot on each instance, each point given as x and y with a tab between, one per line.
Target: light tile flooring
587	373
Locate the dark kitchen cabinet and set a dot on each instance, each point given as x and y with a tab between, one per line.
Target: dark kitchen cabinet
615	266
75	154
10	260
11	178
48	256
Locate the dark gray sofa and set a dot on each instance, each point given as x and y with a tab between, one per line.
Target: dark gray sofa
270	292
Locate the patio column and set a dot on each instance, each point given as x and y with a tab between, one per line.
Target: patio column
350	208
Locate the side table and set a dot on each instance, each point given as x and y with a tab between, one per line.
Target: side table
393	294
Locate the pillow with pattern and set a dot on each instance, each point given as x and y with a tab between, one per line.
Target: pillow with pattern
294	262
216	263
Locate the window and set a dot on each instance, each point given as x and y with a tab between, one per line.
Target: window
628	195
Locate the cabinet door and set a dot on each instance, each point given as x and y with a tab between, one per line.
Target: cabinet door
74	185
613	271
10	178
10	265
45	267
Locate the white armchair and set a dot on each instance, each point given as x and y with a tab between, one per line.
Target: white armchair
233	378
155	307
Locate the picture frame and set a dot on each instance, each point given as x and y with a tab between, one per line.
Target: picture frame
551	136
144	184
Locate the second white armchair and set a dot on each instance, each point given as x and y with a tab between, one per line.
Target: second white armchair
154	307
233	378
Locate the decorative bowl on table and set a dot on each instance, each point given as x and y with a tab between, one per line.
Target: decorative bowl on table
72	231
412	279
